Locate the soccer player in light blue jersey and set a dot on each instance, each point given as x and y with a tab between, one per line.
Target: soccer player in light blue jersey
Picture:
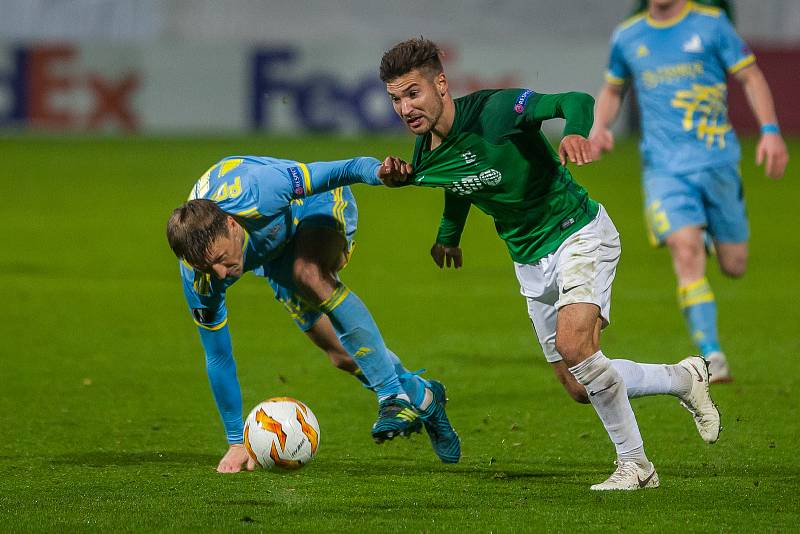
677	54
293	224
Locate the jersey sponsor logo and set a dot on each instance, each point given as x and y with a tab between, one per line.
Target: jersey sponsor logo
297	180
473	183
704	109
694	44
522	99
490	177
672	73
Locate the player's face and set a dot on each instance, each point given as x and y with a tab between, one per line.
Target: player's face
665	4
418	99
225	257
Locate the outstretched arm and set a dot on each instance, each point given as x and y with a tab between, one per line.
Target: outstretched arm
325	176
771	149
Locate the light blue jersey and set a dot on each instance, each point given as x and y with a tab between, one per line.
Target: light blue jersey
679	69
270	198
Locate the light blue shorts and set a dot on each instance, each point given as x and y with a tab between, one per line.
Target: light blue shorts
711	198
335	209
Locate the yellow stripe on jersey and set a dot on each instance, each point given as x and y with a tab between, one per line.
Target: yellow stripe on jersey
627	23
227	166
339	205
307	177
249	214
739	65
214	327
711	11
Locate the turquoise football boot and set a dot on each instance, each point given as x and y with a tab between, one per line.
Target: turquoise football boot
396	417
444	438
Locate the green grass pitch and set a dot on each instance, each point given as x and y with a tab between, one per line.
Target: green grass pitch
108	422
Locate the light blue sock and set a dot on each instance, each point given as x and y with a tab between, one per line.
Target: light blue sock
413	384
700	311
359	335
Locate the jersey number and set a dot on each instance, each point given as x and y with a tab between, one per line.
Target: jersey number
228	191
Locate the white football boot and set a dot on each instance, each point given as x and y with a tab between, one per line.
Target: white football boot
698	401
718	368
629	476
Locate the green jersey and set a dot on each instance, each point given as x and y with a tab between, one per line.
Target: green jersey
496	157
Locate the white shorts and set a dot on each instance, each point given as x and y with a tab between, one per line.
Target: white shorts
580	270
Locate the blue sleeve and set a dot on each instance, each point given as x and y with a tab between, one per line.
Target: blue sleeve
221	369
618	71
206	299
733	51
307	180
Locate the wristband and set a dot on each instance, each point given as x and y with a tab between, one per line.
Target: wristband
770	128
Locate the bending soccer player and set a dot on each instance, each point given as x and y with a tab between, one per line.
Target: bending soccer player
678	55
487	149
294	224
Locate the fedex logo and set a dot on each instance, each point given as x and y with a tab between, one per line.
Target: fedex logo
43	86
319	101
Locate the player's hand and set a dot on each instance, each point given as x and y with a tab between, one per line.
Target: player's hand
450	255
772	150
235	459
601	140
394	172
575	149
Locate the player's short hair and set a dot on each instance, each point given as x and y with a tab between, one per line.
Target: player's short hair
418	53
193	228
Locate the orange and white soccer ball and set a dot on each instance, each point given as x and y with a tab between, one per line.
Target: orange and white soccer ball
281	432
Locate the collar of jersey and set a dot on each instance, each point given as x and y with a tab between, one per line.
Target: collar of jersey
669	22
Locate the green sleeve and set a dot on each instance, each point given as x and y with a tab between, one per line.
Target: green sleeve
456	209
576	108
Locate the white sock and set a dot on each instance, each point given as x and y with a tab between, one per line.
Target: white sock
643	379
607	393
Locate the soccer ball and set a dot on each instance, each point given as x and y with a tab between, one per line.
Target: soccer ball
281	432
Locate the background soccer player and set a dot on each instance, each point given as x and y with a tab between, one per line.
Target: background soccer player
293	224
677	54
487	149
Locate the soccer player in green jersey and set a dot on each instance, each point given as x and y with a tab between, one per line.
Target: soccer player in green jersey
487	149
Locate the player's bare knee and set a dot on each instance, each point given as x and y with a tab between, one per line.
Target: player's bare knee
733	266
571	348
686	254
577	392
307	275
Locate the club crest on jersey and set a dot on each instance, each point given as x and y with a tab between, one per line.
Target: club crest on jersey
522	99
297	180
694	44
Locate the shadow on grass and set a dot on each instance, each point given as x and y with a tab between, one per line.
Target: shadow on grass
110	458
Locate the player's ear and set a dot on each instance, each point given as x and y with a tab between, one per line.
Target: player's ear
441	83
230	224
